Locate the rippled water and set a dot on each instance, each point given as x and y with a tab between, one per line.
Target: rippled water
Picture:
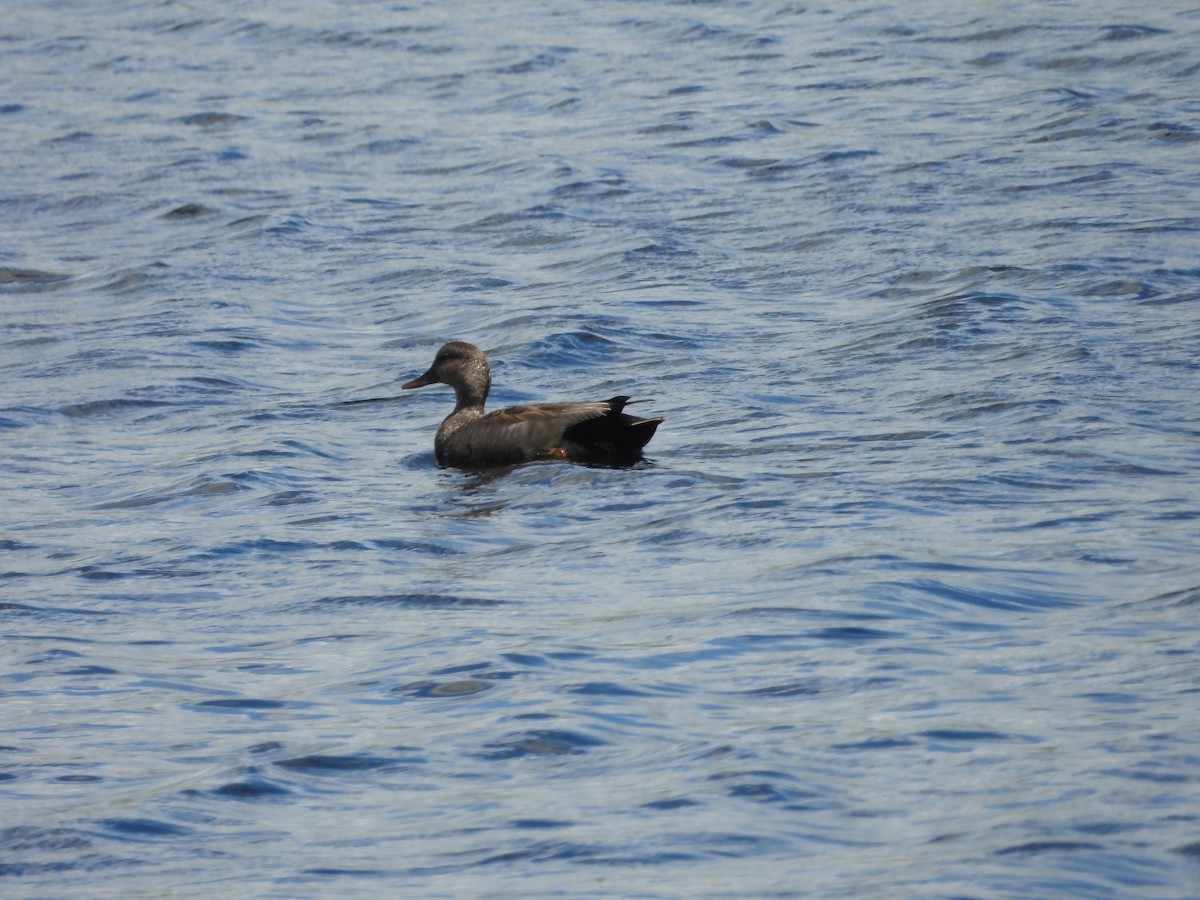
904	601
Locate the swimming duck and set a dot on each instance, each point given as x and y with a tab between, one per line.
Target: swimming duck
593	431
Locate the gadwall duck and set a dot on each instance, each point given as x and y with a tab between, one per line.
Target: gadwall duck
595	432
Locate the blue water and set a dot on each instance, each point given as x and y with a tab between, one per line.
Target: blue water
905	601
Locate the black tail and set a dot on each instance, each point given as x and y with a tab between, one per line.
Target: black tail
616	437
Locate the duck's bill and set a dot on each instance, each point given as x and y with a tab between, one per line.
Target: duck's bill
421	381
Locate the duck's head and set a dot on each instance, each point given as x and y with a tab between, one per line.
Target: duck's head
461	365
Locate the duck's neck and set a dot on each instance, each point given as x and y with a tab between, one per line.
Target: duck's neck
472	394
468	409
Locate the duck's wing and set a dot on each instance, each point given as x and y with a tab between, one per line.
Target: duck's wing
518	434
539	426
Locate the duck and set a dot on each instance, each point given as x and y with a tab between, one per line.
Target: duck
592	432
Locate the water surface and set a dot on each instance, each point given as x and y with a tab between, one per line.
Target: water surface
904	599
